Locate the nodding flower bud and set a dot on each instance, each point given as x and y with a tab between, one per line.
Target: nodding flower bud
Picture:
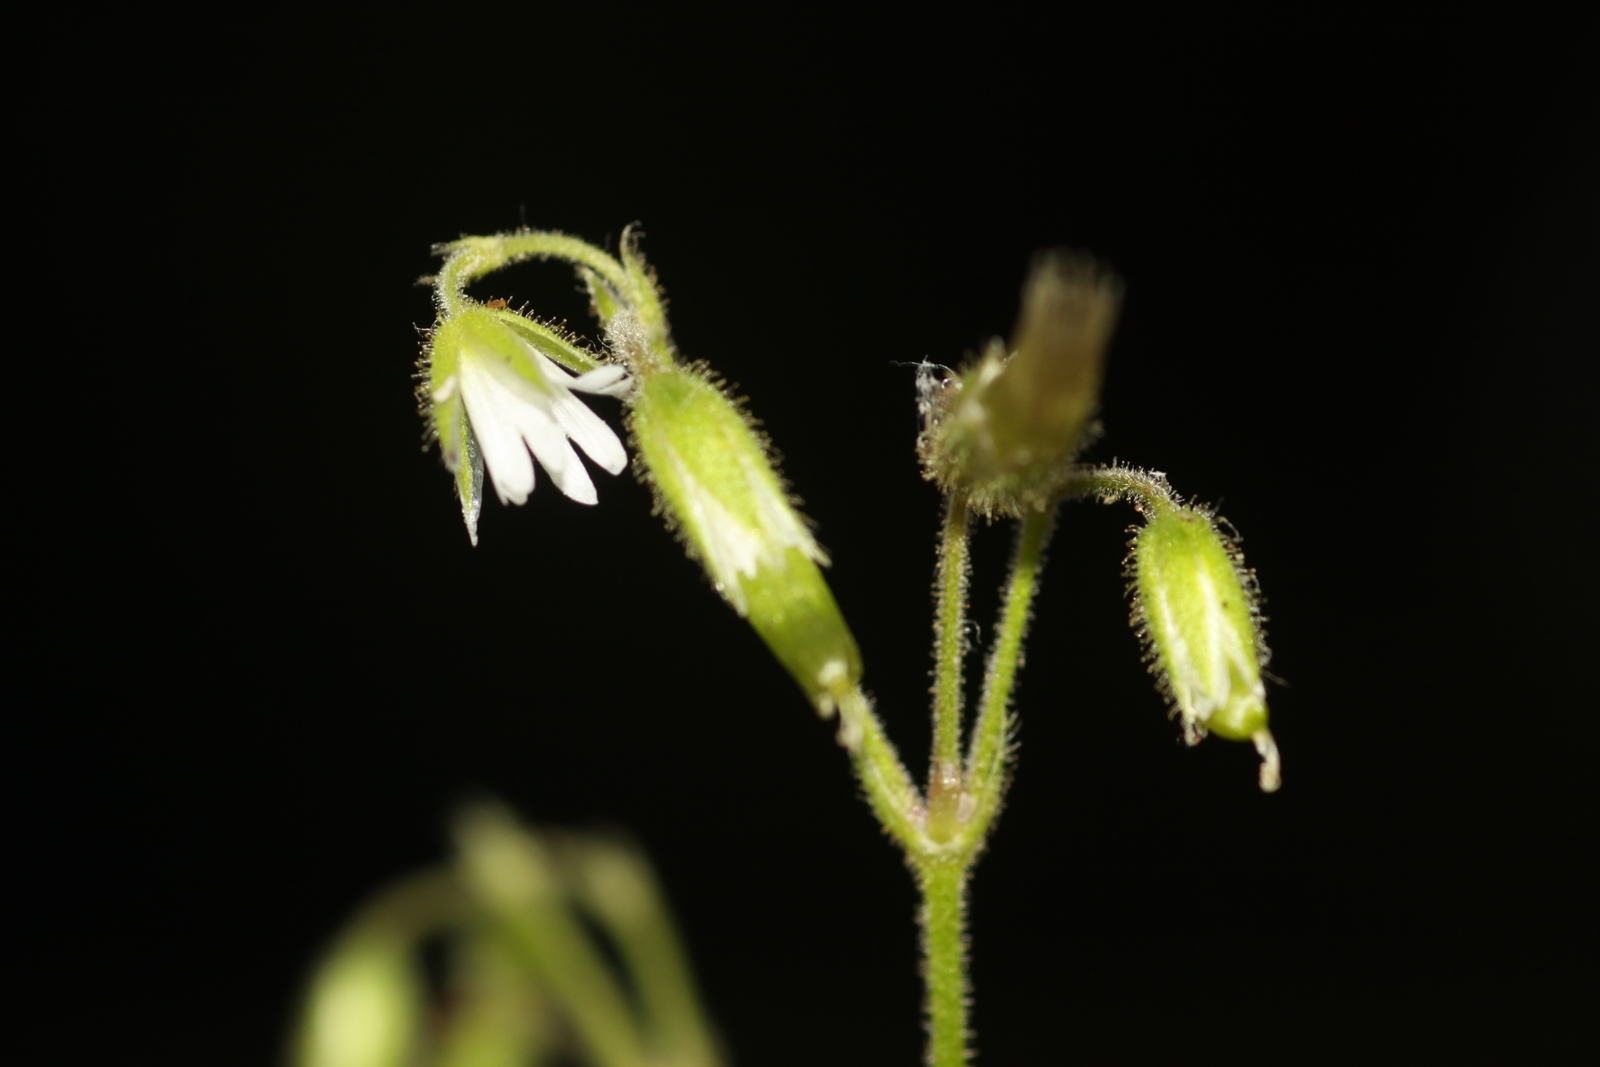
1008	430
365	1006
716	486
1196	606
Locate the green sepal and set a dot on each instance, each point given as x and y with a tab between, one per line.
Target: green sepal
604	301
717	488
446	415
469	476
1006	434
1197	607
550	340
792	608
479	330
712	476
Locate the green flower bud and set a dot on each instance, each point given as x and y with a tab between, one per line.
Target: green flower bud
1195	605
365	1005
717	487
1007	432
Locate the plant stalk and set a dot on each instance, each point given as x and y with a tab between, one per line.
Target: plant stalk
986	761
944	772
943	882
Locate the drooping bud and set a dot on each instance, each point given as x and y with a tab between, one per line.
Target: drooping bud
1195	605
717	487
365	1005
1006	432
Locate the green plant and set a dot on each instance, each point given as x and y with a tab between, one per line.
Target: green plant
1001	441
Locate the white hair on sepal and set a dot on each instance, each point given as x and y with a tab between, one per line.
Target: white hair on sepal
931	389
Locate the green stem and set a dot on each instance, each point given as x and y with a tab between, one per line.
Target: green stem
518	882
644	294
473	257
618	889
580	981
944	772
890	791
1148	489
943	882
987	757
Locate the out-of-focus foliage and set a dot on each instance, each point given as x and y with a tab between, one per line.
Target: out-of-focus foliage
530	924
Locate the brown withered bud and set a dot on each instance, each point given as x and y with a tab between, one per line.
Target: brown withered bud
1008	432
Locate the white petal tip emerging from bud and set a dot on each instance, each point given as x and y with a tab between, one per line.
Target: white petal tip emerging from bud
833	685
603	381
1271	767
852	706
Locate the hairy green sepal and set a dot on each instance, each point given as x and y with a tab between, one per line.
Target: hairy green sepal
1006	433
1197	606
717	487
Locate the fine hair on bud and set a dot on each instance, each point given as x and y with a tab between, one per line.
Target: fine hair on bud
1196	609
716	485
1006	431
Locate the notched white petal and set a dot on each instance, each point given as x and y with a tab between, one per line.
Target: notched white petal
514	416
549	443
493	411
598	440
609	380
573	480
587	429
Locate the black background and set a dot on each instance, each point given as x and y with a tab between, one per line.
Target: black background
1360	263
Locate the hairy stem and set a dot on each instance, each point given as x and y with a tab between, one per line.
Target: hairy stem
473	257
987	757
943	882
944	772
1149	490
890	791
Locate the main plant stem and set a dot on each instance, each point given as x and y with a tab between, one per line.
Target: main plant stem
943	835
943	882
943	838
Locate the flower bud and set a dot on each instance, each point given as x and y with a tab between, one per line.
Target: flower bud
1196	606
718	489
1008	431
364	1008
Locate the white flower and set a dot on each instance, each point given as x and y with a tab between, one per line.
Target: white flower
510	416
517	401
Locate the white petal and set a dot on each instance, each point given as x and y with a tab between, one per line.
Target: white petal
586	428
589	431
572	479
528	407
565	468
605	381
544	435
493	411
